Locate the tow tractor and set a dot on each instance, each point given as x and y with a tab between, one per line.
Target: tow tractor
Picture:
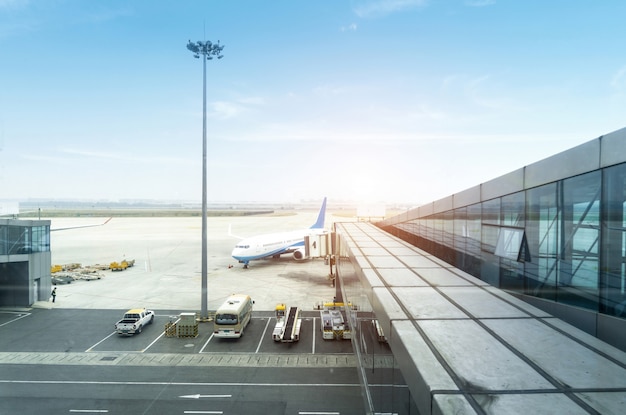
334	324
287	329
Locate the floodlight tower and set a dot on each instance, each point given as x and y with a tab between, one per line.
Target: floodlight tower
208	50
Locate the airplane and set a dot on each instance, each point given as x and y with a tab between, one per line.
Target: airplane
276	244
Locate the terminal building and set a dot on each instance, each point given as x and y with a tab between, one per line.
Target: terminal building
24	262
508	297
552	233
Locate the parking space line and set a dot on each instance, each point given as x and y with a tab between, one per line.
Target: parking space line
313	343
154	341
263	335
19	316
95	345
206	343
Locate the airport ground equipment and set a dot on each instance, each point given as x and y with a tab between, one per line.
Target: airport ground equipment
185	326
333	305
379	331
121	266
134	321
334	324
288	321
65	274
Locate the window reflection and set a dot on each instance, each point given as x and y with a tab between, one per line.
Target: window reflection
564	241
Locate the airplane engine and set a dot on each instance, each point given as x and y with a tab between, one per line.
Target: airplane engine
299	254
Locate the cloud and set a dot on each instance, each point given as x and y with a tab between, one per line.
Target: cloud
17	28
618	81
350	28
13	22
117	156
328	90
13	4
230	109
380	8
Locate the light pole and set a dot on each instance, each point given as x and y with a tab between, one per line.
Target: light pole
208	50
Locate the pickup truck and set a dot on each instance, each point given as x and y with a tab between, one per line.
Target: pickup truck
134	320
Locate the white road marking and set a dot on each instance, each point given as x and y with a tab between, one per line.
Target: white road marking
95	345
19	316
198	396
263	335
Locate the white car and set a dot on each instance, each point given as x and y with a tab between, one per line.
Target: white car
134	320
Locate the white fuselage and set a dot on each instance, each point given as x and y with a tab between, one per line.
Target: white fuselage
268	245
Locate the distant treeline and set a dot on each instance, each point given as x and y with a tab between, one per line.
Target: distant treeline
138	213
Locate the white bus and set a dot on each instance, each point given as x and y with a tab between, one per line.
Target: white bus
233	316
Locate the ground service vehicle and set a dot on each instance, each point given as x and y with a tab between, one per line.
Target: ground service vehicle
334	325
121	266
134	320
288	321
233	316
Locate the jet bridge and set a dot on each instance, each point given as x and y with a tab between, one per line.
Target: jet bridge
318	245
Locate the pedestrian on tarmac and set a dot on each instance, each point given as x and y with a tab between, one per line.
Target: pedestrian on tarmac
54	294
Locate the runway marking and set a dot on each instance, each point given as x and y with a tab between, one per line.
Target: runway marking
203	412
130	383
90	411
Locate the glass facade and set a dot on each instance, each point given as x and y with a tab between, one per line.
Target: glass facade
564	241
16	240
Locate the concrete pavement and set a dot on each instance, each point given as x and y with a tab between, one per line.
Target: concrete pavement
167	271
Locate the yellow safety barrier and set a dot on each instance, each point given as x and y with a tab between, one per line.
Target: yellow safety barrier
170	329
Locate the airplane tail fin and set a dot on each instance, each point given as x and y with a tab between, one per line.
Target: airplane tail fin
320	217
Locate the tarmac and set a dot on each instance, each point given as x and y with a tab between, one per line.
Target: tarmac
264	360
166	277
167	270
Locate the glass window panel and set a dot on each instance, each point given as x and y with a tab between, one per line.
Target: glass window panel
448	229
18	240
460	229
437	229
474	227
489	238
542	234
4	240
509	243
511	274
491	212
613	269
513	210
579	262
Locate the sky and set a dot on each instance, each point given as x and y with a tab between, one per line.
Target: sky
395	101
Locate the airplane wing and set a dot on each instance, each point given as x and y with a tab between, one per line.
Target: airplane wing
231	234
82	226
